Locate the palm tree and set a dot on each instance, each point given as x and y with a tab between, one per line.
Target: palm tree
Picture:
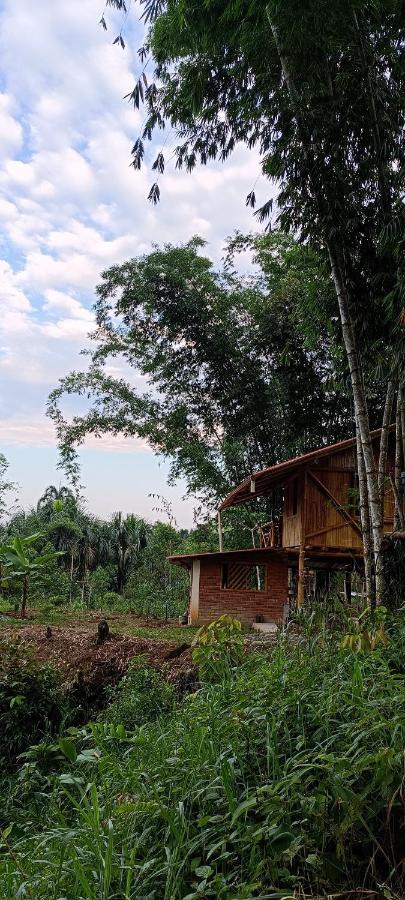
128	539
65	535
53	497
87	550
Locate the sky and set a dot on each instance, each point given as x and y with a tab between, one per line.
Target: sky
70	206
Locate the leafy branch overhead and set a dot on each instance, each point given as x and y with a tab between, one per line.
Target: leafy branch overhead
242	370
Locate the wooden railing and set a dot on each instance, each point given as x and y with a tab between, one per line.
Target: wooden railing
270	534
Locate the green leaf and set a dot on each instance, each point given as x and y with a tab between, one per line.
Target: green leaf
243	808
203	871
68	749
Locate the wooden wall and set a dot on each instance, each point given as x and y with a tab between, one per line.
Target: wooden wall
315	520
292	512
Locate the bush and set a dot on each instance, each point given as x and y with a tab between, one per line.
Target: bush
99	583
219	648
142	696
284	781
32	703
111	600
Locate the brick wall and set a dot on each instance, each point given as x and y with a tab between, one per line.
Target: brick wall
243	605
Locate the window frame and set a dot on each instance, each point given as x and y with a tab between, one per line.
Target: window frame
244	590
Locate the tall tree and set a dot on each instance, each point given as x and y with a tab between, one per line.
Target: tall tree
239	366
318	88
128	539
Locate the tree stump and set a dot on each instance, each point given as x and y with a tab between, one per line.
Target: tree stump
103	631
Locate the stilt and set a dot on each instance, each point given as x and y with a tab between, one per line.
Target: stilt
301	584
220	533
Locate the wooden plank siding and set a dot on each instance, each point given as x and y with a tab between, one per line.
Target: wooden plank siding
320	505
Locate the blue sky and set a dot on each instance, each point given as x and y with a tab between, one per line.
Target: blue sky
70	205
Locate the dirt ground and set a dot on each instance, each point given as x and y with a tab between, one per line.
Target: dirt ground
73	649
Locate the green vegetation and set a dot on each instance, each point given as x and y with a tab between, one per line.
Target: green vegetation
265	775
283	777
32	703
142	696
59	557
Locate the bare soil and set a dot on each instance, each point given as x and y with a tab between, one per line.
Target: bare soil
72	649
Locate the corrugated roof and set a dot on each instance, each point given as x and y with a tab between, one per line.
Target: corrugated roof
273	475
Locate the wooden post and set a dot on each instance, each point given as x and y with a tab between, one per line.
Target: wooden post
301	584
348	587
195	592
220	533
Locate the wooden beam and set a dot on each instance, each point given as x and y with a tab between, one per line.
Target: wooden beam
220	533
338	506
323	531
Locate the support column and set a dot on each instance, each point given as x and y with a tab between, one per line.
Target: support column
220	533
301	583
194	593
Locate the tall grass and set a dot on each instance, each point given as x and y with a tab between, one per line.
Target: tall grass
285	780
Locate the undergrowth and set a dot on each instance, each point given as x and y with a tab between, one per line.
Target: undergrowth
284	779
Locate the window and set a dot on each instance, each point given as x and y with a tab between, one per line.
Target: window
243	577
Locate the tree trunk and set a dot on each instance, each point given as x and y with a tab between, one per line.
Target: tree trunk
84	583
24	597
71	577
365	523
336	257
401	405
398	465
362	422
382	474
385	432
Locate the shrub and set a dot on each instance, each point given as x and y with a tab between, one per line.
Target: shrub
284	781
219	647
142	696
32	703
111	600
99	583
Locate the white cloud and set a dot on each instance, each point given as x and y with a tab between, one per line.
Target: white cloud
10	129
57	300
33	431
71	205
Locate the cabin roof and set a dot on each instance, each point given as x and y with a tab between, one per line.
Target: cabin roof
257	553
261	483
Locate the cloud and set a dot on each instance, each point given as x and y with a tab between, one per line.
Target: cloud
11	131
71	205
33	431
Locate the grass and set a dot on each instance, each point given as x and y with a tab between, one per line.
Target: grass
283	780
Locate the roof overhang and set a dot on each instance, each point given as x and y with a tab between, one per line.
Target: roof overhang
261	484
251	554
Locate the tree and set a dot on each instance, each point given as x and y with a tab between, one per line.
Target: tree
128	539
317	87
55	499
5	486
18	562
240	366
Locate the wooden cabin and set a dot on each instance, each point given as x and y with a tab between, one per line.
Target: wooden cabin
317	532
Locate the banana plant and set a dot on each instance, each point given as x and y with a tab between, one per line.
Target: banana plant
18	563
